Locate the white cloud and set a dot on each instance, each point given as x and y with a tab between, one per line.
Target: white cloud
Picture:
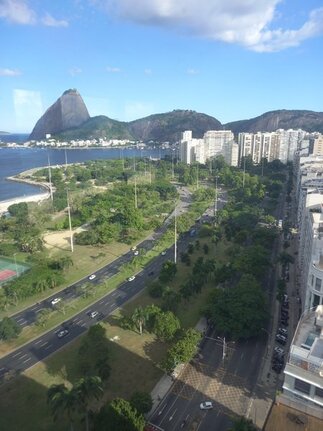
28	108
17	11
192	71
50	21
135	109
113	69
9	72
244	22
75	71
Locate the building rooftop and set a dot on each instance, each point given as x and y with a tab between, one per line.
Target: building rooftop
307	346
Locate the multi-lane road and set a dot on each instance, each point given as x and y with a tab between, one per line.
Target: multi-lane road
40	348
228	383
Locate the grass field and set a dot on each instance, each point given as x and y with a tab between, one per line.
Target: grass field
134	362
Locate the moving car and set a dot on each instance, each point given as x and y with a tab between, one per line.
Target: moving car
206	405
163	253
92	277
55	301
93	314
131	278
136	252
62	333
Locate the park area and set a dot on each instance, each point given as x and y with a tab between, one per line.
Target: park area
10	268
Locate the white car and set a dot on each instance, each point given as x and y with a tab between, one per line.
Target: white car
93	314
55	301
62	333
136	252
131	278
92	277
163	253
133	248
207	405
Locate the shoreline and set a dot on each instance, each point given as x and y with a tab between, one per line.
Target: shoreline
39	197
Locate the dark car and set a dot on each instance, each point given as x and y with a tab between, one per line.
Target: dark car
151	273
285	314
284	322
281	339
283	331
285	304
277	368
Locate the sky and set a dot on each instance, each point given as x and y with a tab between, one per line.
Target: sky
232	59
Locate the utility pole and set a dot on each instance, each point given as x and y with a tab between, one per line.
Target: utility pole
244	171
216	197
175	237
50	179
69	221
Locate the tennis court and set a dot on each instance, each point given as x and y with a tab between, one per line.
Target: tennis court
10	268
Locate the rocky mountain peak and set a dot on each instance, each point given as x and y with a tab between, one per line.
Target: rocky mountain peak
69	111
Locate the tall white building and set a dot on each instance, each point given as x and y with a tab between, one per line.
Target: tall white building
303	374
214	143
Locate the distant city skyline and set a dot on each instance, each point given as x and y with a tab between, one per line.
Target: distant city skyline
230	59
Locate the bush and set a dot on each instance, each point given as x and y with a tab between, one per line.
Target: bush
156	289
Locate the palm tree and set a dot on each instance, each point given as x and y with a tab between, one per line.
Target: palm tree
88	388
139	318
63	400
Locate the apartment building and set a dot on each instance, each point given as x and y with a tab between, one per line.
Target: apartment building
318	145
303	374
213	143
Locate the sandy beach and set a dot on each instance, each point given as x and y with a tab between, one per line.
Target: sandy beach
4	205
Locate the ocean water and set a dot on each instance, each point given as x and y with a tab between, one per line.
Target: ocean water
15	160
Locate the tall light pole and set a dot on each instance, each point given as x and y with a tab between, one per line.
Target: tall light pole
175	236
223	347
50	179
69	221
216	197
16	267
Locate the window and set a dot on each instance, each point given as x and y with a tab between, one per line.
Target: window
302	386
318	283
319	392
316	301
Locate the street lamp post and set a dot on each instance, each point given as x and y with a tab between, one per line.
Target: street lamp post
14	255
223	347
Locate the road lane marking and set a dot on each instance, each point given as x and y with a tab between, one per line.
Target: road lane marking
101	302
19	320
44	344
16	354
26	360
39	341
48	347
107	303
23	356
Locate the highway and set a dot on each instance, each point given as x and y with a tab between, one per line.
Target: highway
40	348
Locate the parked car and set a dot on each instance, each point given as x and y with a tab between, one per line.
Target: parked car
283	331
284	322
277	368
55	301
285	305
206	405
281	339
285	298
284	315
135	253
279	350
92	277
62	333
133	248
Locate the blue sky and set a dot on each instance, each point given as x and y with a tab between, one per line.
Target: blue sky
232	59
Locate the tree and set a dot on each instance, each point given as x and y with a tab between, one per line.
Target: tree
94	353
141	401
9	329
182	351
206	249
166	325
239	312
119	415
88	388
63	401
243	424
284	258
139	318
168	271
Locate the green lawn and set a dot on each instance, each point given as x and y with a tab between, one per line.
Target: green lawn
134	362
